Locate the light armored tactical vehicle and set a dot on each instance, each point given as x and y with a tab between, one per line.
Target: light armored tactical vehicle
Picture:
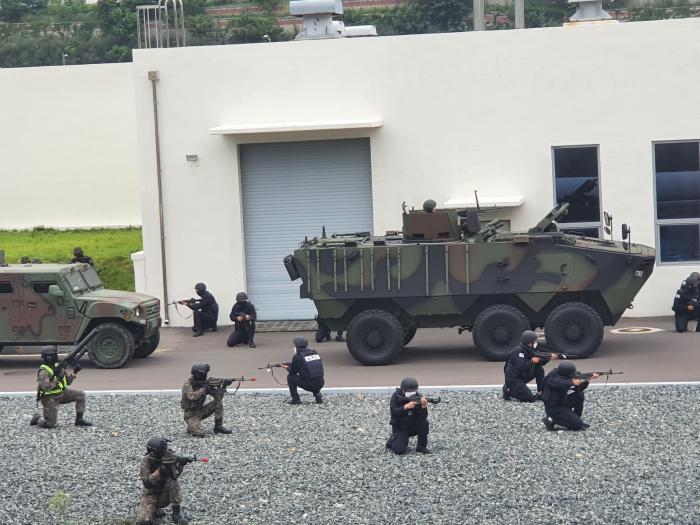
446	269
44	304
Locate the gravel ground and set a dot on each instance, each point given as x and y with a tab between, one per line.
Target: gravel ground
493	462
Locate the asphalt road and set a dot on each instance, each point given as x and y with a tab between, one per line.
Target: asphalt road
435	356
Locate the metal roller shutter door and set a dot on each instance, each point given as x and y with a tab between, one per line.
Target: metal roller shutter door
290	190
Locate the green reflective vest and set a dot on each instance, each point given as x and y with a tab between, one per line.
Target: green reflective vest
61	386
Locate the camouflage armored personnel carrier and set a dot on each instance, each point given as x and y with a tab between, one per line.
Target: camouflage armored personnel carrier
446	269
42	304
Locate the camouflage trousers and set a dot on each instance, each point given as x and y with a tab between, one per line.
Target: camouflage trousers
151	501
50	405
194	418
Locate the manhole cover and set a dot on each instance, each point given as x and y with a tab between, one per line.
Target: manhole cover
636	330
18	373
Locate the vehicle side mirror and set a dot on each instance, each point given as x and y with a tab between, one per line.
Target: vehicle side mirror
625	231
55	291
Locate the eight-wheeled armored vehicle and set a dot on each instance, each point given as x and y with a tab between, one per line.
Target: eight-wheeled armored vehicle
42	304
447	269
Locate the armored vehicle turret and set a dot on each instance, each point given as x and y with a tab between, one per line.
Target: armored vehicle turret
43	304
447	269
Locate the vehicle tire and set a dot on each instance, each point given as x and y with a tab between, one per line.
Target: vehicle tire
574	329
112	347
148	346
497	330
375	337
409	333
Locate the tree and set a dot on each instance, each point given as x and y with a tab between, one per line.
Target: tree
15	10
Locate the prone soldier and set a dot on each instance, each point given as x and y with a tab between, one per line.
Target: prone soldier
160	471
194	394
523	366
685	303
80	257
563	397
305	371
205	310
243	316
409	417
53	391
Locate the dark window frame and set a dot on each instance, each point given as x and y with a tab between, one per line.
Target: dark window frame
47	283
9	283
579	225
658	223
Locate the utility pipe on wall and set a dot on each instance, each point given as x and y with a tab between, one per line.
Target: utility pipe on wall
153	77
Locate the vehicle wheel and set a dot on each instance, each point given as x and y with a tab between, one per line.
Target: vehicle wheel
409	333
497	330
574	329
375	337
148	346
112	347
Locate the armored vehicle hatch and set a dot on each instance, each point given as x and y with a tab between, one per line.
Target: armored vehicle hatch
43	304
446	269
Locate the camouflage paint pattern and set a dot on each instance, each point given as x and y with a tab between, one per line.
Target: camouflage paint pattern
30	315
438	273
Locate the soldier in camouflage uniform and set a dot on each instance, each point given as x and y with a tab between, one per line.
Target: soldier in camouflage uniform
53	391
194	394
80	257
160	470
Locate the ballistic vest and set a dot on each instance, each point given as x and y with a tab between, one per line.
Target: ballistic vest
61	384
313	366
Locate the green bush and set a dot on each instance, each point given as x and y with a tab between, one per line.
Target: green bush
111	249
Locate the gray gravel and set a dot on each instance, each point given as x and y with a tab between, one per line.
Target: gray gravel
493	462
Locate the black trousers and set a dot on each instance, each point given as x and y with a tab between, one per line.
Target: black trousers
324	334
244	334
682	319
569	415
519	389
399	438
310	385
203	321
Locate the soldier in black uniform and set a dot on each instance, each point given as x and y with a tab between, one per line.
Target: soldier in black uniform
685	303
523	366
305	371
205	310
323	333
408	418
80	257
243	316
563	398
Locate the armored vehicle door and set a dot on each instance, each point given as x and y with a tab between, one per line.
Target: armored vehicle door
50	313
11	305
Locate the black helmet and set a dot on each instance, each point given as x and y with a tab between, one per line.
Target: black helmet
77	250
429	206
300	342
528	337
566	369
49	354
409	384
695	274
200	369
201	287
692	281
241	296
157	446
24	260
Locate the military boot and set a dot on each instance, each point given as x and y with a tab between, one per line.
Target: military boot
548	423
219	427
318	397
81	422
35	420
178	517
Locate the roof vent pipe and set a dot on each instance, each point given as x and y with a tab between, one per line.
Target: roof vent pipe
319	23
589	11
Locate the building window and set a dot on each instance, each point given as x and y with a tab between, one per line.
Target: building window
576	182
5	287
677	180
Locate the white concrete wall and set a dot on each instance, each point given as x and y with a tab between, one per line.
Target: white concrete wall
461	111
68	147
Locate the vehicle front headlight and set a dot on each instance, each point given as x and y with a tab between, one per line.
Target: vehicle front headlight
137	312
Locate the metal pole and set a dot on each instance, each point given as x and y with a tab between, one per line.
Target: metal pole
479	15
153	77
519	14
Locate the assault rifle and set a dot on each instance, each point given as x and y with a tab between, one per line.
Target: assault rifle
269	367
168	465
548	354
415	398
184	460
588	375
216	385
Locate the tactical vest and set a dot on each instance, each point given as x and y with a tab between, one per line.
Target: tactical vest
313	366
193	405
61	384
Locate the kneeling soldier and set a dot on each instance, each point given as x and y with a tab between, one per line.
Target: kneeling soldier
408	418
53	391
304	371
194	394
522	366
160	470
563	397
